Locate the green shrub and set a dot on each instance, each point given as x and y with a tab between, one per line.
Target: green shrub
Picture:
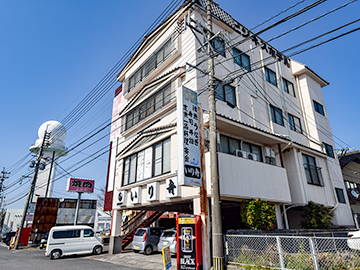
316	216
258	214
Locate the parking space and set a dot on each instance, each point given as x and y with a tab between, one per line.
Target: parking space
137	260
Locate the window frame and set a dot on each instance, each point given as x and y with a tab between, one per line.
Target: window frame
293	125
239	59
274	117
329	150
311	168
268	78
222	94
126	172
154	62
149	106
240	146
319	108
286	84
340	195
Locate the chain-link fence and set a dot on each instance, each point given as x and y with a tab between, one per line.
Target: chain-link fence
293	252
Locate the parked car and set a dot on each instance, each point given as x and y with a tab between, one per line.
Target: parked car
146	239
354	240
168	238
43	241
7	237
69	240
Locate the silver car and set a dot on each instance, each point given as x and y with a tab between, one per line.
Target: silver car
168	238
146	239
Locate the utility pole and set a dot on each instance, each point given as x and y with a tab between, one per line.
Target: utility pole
217	238
32	187
51	168
3	177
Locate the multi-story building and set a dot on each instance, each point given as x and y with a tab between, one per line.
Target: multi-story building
274	136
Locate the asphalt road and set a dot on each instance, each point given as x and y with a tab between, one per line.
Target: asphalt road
34	259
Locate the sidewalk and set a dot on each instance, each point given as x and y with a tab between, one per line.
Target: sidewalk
138	260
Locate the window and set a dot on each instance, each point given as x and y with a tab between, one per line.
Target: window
149	106
162	157
276	115
313	173
153	161
295	123
241	59
88	233
129	172
329	150
66	234
289	87
218	45
319	108
270	76
229	145
225	93
151	64
340	195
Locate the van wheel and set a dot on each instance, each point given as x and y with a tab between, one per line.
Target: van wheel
148	250
55	254
97	250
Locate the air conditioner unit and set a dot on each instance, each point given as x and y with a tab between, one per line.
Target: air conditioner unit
240	153
268	152
252	156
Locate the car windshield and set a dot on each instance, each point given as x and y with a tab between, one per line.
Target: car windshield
140	232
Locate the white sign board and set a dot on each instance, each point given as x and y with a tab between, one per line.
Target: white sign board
121	198
152	192
135	195
172	189
189	167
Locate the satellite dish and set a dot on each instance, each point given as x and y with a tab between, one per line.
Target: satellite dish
61	199
355	194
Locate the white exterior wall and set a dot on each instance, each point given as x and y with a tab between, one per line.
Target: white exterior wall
12	220
286	185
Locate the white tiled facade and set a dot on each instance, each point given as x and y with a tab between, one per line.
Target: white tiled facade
245	118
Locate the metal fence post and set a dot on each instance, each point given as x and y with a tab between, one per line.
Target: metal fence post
280	252
313	252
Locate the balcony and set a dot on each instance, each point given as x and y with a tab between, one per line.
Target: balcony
245	179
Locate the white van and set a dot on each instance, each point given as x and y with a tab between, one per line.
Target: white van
69	240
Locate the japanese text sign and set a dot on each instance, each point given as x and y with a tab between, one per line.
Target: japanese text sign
80	185
189	171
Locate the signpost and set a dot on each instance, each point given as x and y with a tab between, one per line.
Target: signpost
80	186
166	257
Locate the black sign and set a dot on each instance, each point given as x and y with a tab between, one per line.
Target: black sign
192	171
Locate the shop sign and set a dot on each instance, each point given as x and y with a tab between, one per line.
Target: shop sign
189	168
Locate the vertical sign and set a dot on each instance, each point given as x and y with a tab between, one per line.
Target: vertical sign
189	249
189	168
117	106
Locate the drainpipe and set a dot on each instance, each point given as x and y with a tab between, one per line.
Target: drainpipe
333	188
281	156
285	217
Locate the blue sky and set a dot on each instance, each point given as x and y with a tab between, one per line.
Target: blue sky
52	53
